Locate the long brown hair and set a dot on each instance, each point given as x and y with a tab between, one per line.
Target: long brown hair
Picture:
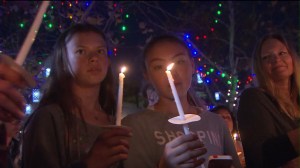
266	83
59	88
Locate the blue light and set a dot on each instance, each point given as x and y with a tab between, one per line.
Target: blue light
189	44
207	81
217	96
36	95
87	4
195	52
210	107
187	36
47	72
199	80
110	52
28	109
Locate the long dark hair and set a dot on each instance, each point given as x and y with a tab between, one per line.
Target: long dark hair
59	88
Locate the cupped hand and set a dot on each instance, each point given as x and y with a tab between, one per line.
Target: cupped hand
183	152
110	147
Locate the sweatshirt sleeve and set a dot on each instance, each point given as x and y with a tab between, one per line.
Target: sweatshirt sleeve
41	143
141	148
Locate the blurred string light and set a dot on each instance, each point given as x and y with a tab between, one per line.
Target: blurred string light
28	109
47	72
208	74
36	95
217	96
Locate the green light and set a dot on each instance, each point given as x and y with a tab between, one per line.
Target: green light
127	16
229	82
50	25
216	21
219	12
22	25
40	62
211	70
45	15
220	5
52	7
207	73
124	28
223	75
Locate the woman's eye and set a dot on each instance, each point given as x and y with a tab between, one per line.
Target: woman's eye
283	53
101	51
181	61
266	58
157	67
79	51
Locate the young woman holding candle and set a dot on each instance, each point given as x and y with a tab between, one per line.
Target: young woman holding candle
269	115
67	129
155	141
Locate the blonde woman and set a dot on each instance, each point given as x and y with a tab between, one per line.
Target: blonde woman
268	116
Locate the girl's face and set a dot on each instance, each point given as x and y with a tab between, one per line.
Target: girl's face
157	60
276	59
88	60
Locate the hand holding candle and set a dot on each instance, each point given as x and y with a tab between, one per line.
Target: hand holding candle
120	96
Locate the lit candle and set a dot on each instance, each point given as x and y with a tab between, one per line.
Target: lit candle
32	33
120	96
235	136
176	98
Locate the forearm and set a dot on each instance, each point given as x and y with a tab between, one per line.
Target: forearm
277	151
294	137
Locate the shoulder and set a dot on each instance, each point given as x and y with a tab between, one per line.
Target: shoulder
250	92
210	115
212	118
45	115
139	116
52	110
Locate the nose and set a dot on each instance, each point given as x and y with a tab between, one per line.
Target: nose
93	57
175	73
275	58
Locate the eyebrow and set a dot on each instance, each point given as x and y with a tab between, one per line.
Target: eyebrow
173	57
103	46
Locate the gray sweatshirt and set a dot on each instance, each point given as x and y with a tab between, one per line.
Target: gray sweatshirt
151	131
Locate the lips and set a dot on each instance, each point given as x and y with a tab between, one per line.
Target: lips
95	69
279	68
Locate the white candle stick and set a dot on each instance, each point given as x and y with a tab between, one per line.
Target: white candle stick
32	33
120	97
176	98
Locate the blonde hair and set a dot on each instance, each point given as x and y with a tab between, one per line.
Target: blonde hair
266	83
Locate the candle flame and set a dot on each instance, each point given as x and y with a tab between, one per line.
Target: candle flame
170	66
235	136
123	69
